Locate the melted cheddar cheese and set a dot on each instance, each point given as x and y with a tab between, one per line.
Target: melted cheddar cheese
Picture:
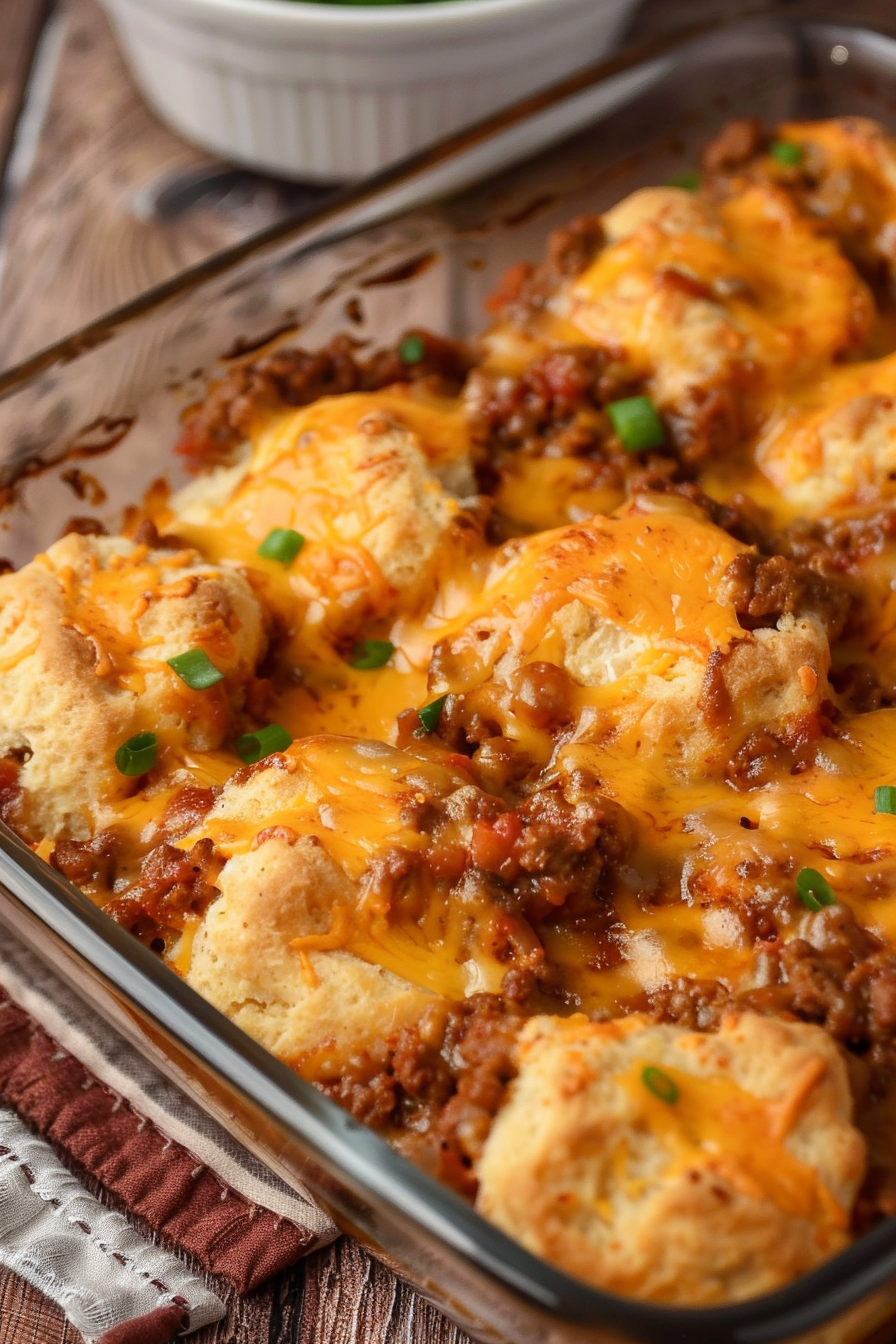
570	723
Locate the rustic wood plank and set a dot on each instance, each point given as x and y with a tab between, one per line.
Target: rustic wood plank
20	27
84	222
338	1296
28	1318
351	1299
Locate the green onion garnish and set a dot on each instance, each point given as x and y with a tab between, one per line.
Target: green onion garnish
885	798
813	890
430	714
786	152
252	747
636	422
411	350
137	755
371	653
282	544
687	179
365	2
660	1084
196	669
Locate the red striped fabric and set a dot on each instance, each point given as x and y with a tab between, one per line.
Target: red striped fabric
181	1201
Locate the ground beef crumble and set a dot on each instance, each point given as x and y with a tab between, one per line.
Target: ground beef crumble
740	517
762	589
214	428
170	883
556	408
552	851
838	975
764	756
10	791
436	1088
838	546
89	864
737	142
526	288
546	856
535	412
173	883
842	978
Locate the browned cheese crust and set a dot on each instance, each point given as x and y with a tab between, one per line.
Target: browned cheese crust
542	812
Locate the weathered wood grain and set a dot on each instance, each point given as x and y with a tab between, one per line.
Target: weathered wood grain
84	234
21	22
338	1296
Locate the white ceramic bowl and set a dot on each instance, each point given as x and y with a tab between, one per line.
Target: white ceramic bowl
326	92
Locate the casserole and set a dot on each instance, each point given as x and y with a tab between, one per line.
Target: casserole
605	1315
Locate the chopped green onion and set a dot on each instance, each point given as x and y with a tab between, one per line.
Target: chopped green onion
637	423
687	179
813	890
282	544
885	798
411	350
252	747
196	669
787	153
137	755
371	653
430	714
660	1084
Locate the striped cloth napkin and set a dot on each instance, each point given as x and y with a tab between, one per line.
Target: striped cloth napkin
78	1106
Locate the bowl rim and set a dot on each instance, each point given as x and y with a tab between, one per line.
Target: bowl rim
360	18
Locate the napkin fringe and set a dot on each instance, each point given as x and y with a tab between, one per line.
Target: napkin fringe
87	1258
178	1197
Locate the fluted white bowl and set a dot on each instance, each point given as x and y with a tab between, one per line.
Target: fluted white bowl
327	92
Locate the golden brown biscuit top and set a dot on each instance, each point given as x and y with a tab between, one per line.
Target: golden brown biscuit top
562	722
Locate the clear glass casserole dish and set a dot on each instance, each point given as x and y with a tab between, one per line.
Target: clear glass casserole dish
87	427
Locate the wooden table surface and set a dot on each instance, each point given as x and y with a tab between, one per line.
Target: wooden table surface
99	201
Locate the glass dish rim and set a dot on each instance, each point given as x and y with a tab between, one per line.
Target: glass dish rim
139	977
352	195
377	1169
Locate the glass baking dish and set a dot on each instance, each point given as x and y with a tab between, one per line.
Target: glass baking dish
87	426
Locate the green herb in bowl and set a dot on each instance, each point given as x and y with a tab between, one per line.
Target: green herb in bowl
372	2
